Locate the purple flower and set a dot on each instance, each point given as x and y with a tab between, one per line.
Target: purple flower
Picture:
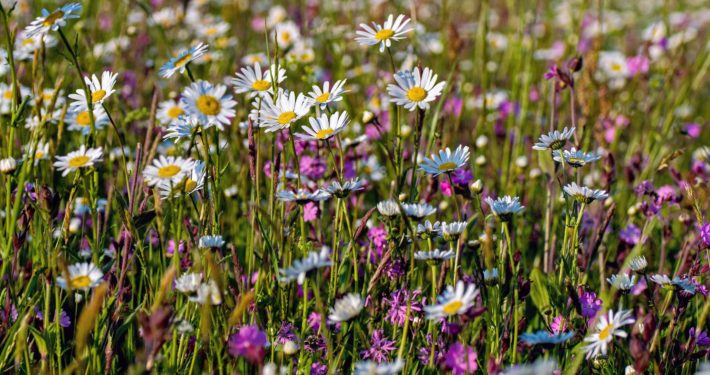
249	343
705	234
285	333
395	268
701	338
380	347
310	212
637	65
462	176
318	368
424	351
590	304
314	321
461	359
397	313
378	238
445	188
693	129
64	320
311	167
630	235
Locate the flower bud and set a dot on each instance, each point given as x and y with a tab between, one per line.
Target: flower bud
477	186
8	165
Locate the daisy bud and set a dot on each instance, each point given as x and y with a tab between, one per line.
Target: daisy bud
521	161
78	297
405	131
443	205
535	173
477	186
367	116
290	348
8	165
402	197
481	160
481	141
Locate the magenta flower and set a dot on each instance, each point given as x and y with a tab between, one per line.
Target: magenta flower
310	211
461	359
380	347
705	234
249	343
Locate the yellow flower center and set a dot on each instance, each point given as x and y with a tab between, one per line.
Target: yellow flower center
452	307
286	36
52	18
447	166
27	42
168	171
39	155
384	34
322	98
80	282
174	112
83	119
575	161
261	85
416	94
190	184
183	60
208	105
211	31
606	332
78	161
97	95
7	94
324	133
286	117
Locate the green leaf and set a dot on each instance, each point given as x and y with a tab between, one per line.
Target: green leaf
539	291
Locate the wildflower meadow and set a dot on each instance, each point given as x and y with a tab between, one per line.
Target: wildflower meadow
354	187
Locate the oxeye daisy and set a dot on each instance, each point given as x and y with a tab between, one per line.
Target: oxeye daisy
52	21
324	127
100	91
179	62
298	270
328	95
184	128
451	231
82	276
554	140
207	294
287	109
286	34
622	281
342	190
192	182
212	30
81	120
346	308
574	157
41	151
445	161
169	112
434	255
382	368
211	242
25	46
638	264
608	326
210	104
418	211
188	282
505	207
302	196
167	170
584	194
388	208
81	158
428	230
454	301
415	89
255	82
392	29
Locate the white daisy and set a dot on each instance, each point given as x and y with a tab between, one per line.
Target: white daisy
607	327
383	368
287	109
179	62
286	33
383	35
428	229
100	90
453	301
622	281
169	111
451	231
211	242
346	308
41	152
167	170
255	82
26	46
82	276
328	95
194	181
415	89
343	190
554	140
388	208
638	264
324	127
185	127
372	167
613	64
54	20
210	104
302	196
81	120
434	255
505	207
188	283
212	30
445	161
584	194
418	211
255	58
298	270
81	158
207	294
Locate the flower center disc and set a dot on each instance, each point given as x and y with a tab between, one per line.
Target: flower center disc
452	307
324	133
416	94
52	18
174	112
322	98
384	34
447	166
168	171
260	85
78	161
286	117
97	95
83	119
606	332
183	60
80	282
208	105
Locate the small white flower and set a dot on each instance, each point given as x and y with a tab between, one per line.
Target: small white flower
638	264
388	208
383	35
302	196
584	194
298	270
574	157
179	62
82	276
52	21
554	140
81	158
188	283
99	90
255	82
445	161
434	255
281	114
207	294
343	190
415	89
607	327
167	169
324	127
328	95
210	104
418	210
622	281
454	301
8	165
211	242
505	207
346	308
374	368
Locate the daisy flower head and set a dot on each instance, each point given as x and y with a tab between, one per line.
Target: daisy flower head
301	267
169	112
608	326
539	367
328	95
25	46
210	104
100	90
445	161
80	120
207	294
545	338
287	33
324	127
52	20
415	89
388	208
254	81
168	169
212	30
82	276
574	157
184	128
188	283
505	207
454	301
179	62
418	211
382	368
346	308
342	190
584	194
554	140
392	29
211	242
434	255
193	181
428	230
81	158
287	109
638	264
302	196
451	231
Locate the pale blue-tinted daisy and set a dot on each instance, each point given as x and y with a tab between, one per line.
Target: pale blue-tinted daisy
418	211
179	62
554	140
584	194
298	270
388	208
638	264
328	95
545	338
169	112
211	241
52	21
428	228
505	207
451	231
415	89
574	157
434	255
324	127
302	196
622	281
392	29
445	161
342	190
210	104
346	308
